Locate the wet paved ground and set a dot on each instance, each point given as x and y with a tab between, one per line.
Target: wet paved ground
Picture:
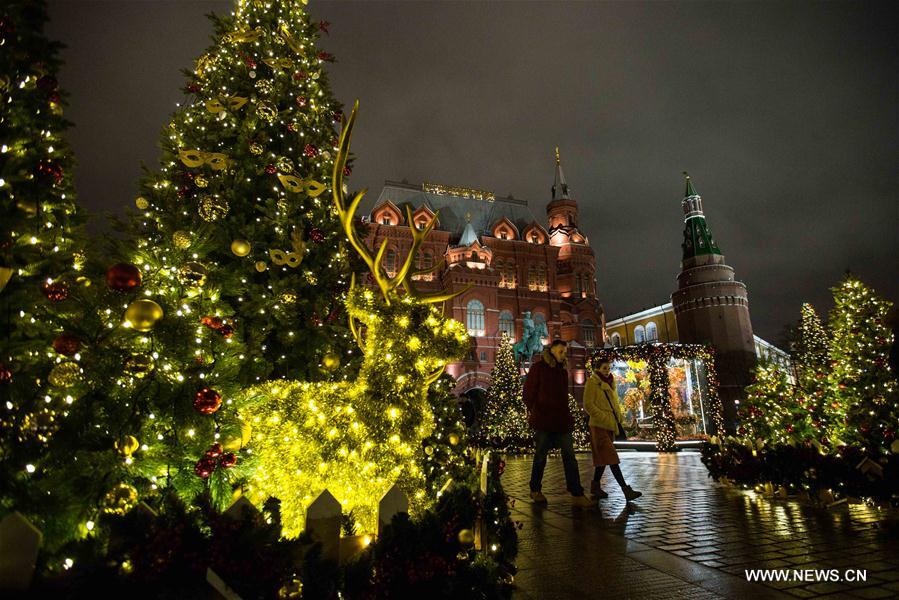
691	538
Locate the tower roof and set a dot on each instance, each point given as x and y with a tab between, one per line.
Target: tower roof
560	186
698	238
690	190
469	236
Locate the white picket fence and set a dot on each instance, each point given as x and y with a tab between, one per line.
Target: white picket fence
20	541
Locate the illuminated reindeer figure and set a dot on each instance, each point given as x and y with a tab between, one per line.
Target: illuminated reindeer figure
357	438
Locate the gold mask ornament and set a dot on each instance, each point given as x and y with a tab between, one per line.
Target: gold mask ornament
232	103
196	158
237	37
290	40
278	63
296	185
291	259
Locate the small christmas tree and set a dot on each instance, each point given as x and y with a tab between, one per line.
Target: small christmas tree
864	407
772	412
504	423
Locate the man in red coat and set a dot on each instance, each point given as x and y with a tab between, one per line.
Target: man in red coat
546	396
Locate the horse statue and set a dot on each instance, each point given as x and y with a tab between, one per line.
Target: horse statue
531	338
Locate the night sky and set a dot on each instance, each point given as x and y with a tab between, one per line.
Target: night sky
786	115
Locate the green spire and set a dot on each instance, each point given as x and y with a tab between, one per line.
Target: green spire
698	238
690	191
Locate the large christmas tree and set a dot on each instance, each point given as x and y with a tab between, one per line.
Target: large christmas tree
863	394
41	274
504	423
242	268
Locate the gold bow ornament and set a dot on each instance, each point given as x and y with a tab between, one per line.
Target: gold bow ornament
296	185
197	158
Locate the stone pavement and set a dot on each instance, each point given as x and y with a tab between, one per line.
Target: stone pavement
691	538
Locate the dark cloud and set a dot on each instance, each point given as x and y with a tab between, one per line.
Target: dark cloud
784	113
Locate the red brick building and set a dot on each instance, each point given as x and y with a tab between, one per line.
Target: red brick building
514	261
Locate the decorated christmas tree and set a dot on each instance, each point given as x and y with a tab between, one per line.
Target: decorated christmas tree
235	271
504	422
41	277
773	412
864	407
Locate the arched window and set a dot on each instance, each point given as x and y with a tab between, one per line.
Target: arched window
511	277
589	333
507	324
652	333
616	339
390	262
639	334
532	278
475	318
541	276
577	283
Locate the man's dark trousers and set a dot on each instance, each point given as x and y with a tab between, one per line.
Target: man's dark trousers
546	441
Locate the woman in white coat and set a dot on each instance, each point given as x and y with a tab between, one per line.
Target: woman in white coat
601	403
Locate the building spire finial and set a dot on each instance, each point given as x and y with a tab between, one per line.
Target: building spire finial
560	186
690	190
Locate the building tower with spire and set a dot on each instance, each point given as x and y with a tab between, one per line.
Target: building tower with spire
710	306
510	262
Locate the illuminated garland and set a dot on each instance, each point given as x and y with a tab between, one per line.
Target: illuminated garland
657	357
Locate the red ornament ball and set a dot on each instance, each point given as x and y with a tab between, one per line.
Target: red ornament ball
50	169
226	330
301	101
5	374
212	322
207	401
310	150
299	75
55	291
271	169
214	451
316	235
204	467
229	459
338	116
123	277
347	171
67	344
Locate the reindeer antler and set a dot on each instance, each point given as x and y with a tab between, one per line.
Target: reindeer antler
386	283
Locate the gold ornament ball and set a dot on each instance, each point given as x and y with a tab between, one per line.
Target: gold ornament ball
261	266
192	274
40	426
266	111
201	181
139	365
429	450
284	164
331	361
453	439
264	87
142	203
65	374
240	247
288	298
120	499
181	239
143	314
466	537
213	208
256	148
127	446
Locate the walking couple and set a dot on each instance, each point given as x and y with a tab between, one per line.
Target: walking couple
546	397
